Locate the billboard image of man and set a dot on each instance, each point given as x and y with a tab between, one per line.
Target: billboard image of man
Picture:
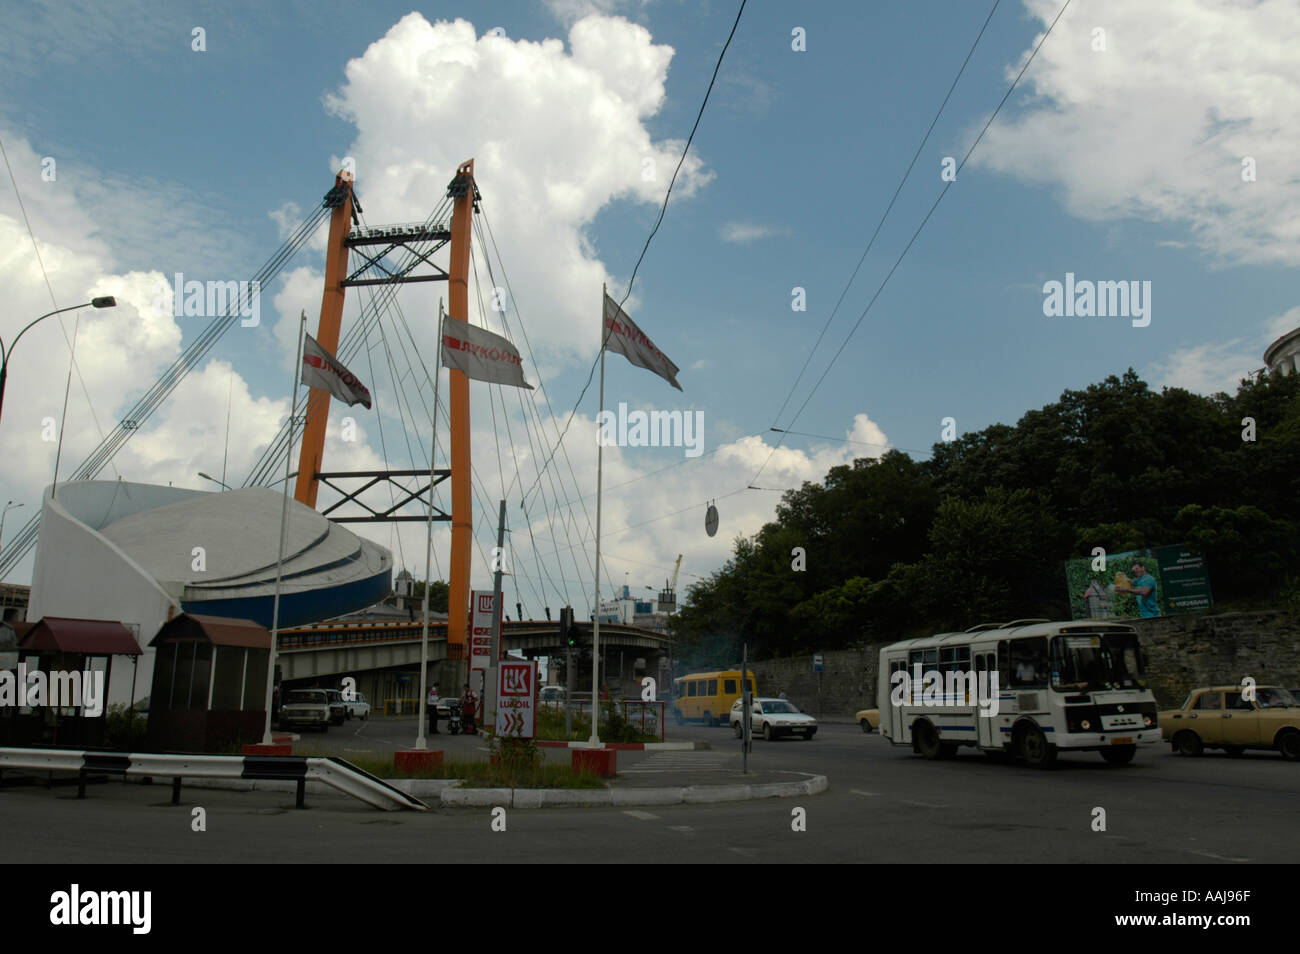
1143	586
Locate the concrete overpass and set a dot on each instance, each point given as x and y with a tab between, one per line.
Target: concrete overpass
384	657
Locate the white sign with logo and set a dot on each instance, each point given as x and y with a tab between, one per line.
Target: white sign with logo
480	632
517	698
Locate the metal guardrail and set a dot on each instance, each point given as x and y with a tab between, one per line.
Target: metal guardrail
336	773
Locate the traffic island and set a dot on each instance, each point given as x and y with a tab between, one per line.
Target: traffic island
602	762
417	760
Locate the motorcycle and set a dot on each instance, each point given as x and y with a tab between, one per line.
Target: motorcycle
453	720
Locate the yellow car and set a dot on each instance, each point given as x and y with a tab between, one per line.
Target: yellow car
869	719
1219	718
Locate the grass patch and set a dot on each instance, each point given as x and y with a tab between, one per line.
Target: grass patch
613	727
476	774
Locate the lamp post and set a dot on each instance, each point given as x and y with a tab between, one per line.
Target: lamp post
107	301
213	479
9	506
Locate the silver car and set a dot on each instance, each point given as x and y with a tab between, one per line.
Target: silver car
306	707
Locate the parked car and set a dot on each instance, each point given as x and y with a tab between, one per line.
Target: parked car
357	706
774	718
1218	717
306	707
550	696
869	719
338	708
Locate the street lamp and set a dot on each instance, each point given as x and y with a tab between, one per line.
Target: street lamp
213	479
9	506
107	301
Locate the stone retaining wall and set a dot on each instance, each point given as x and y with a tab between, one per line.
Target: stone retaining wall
1183	652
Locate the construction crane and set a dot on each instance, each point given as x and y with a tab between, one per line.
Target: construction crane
668	598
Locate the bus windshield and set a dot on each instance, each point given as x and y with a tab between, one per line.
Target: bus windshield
1090	663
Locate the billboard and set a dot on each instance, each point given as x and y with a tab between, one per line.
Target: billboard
1158	581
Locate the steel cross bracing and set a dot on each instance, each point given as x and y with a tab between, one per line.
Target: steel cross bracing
396	237
381	476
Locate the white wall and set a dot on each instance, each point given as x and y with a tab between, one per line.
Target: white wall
80	574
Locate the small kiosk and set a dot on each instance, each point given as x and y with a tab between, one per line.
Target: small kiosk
209	684
63	670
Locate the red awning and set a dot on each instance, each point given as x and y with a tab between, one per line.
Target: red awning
91	637
218	630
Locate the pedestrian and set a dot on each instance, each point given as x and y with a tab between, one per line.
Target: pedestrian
432	705
468	709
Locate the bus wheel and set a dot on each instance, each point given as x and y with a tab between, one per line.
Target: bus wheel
927	741
677	714
866	726
708	718
1119	754
1188	743
1035	749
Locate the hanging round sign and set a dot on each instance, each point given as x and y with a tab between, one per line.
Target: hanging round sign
711	520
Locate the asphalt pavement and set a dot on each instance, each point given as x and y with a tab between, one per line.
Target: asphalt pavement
884	805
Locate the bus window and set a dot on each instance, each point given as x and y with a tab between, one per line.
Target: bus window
713	688
1028	662
954	659
690	688
729	686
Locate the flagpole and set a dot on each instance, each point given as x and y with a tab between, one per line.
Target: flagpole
284	528
600	461
428	544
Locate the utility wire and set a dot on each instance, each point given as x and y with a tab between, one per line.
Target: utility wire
915	234
888	209
663	208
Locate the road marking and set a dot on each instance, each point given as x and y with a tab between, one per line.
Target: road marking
681	828
747	852
644	816
1210	854
908	801
858	791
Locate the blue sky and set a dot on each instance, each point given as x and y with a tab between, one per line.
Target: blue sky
1114	163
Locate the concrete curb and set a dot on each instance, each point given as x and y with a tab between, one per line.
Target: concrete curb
632	746
445	792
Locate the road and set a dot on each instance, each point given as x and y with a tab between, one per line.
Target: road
885	805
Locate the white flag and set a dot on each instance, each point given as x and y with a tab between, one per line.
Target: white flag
321	370
482	355
621	334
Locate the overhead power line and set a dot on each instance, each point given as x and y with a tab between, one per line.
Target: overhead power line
903	254
662	209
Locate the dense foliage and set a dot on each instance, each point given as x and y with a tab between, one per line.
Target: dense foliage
898	547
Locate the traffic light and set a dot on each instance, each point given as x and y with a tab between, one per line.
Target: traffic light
566	626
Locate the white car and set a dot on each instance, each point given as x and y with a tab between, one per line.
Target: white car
550	696
357	705
774	718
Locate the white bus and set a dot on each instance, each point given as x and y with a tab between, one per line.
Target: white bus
1076	686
